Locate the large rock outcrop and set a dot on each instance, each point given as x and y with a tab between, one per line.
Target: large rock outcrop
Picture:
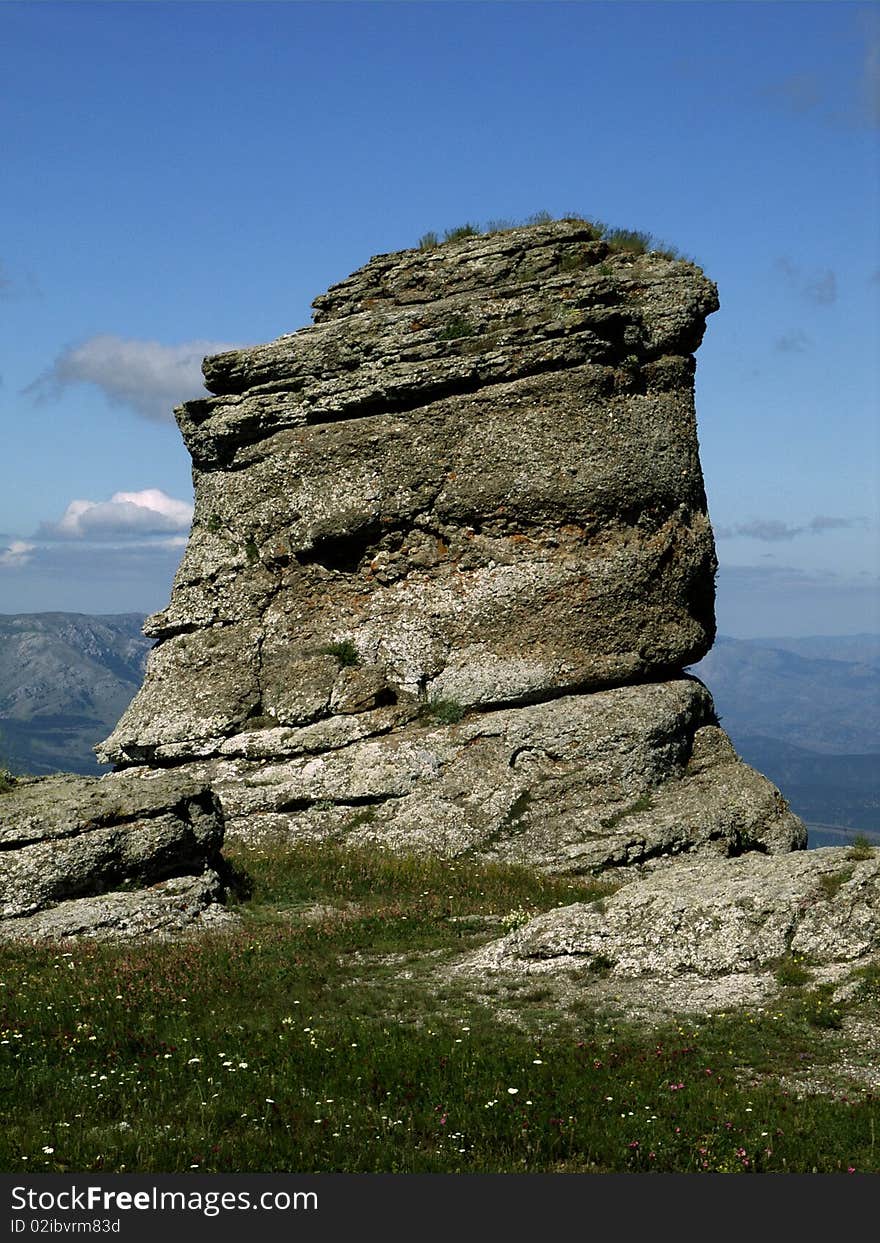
449	560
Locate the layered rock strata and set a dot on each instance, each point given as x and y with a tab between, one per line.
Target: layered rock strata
450	557
124	854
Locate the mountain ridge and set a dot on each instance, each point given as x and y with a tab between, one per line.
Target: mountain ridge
65	678
830	706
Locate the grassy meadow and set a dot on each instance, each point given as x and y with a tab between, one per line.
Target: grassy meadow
320	1033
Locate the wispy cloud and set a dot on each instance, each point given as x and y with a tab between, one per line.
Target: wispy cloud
825	522
780	599
125	515
116	555
818	287
128	576
821	288
792	342
16	554
798	92
772	530
816	94
146	376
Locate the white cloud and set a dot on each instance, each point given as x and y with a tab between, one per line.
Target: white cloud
129	576
117	555
147	376
16	554
772	530
126	514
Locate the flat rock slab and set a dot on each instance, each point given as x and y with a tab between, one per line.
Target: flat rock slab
705	934
68	837
169	908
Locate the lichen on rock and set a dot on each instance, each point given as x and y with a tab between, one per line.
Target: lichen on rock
701	934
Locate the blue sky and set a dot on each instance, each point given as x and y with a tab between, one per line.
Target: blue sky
179	178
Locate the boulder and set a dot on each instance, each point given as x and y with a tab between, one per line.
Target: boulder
450	559
700	933
83	853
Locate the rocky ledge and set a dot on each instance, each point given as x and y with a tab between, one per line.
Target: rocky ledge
707	934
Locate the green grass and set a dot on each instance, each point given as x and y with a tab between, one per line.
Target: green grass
644	802
319	1035
631	241
791	972
860	849
831	882
869	980
456	328
461	231
620	241
442	711
344	652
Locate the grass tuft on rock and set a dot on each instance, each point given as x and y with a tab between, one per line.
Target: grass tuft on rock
619	240
344	652
441	711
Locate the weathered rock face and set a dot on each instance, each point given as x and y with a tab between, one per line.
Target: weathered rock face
708	933
450	555
82	855
493	494
612	778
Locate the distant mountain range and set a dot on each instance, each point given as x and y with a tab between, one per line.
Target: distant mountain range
65	679
807	713
774	688
804	711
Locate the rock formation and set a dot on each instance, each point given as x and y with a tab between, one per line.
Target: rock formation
449	562
450	557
